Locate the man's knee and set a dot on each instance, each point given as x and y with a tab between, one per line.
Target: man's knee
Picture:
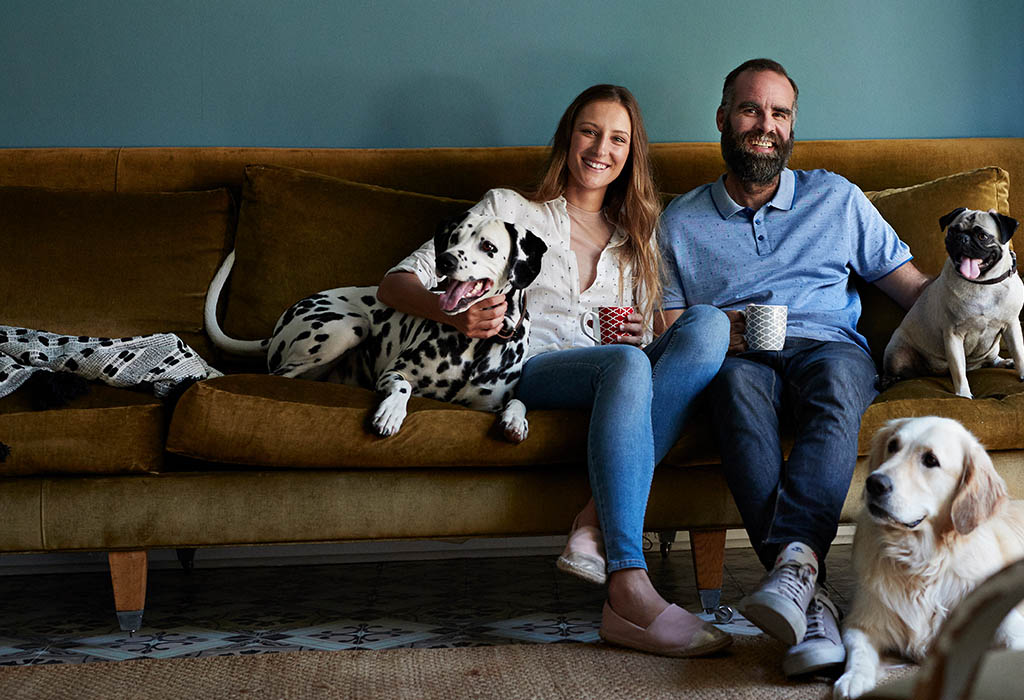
848	382
739	375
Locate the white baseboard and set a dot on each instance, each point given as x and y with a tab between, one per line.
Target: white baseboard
341	553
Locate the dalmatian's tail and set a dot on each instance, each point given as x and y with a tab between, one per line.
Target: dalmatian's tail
213	329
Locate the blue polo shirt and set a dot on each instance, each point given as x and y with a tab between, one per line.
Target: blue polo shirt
798	250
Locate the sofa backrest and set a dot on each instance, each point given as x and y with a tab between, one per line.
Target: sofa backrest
466	173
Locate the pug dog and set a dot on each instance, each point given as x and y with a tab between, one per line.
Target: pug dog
956	323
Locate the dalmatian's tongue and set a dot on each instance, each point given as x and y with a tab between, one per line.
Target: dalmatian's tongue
457	291
970	268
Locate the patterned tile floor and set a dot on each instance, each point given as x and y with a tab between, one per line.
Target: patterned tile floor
69	618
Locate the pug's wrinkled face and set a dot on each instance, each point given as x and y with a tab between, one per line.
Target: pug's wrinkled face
977	241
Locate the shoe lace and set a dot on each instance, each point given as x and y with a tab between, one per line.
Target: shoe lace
795	579
816	627
815	620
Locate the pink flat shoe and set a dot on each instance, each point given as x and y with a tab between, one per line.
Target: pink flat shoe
674	632
583	555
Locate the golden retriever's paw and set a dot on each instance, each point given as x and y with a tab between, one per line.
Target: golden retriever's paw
852	685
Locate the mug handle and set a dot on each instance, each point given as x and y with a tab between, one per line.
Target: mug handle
591	330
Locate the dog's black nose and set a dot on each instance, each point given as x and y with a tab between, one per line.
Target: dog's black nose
879	484
446	264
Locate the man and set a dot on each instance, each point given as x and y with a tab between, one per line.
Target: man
765	234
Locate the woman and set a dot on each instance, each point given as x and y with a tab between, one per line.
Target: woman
597	210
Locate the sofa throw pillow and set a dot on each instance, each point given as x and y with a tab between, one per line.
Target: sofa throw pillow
914	212
301	232
111	264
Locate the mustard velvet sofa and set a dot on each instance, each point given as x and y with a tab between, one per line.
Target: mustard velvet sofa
124	241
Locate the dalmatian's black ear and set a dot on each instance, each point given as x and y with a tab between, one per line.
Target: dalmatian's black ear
525	255
445	228
1006	225
946	219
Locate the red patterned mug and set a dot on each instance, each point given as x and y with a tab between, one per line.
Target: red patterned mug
601	324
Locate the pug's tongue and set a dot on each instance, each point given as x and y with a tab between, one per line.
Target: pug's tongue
970	268
455	292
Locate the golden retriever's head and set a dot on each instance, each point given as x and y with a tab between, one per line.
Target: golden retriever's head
930	470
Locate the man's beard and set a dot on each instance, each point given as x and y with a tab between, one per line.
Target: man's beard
759	168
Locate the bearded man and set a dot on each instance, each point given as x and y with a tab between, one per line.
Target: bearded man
765	234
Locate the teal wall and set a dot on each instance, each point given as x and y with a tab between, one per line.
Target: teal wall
490	72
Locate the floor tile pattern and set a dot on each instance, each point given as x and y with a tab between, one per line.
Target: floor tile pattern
69	618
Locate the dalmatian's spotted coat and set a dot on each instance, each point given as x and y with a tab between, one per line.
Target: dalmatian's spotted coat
348	336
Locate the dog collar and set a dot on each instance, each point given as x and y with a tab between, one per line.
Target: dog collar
1000	278
522	315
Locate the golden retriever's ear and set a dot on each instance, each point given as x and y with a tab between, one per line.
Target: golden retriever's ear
980	492
880	440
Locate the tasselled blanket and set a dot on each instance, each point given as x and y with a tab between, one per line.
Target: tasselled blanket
160	359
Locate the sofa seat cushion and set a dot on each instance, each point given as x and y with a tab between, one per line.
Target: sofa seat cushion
267	421
107	431
995	415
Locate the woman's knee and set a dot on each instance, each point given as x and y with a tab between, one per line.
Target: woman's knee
627	364
707	326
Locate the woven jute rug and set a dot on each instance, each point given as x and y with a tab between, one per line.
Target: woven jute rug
749	669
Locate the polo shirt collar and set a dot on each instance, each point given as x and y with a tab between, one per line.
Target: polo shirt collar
783	198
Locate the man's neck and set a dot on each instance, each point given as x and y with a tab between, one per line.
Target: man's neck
753	195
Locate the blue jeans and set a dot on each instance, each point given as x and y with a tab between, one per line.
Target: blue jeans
817	391
639	400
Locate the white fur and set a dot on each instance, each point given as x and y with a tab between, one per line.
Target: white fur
909	578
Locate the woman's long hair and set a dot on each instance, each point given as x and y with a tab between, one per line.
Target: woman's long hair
631	201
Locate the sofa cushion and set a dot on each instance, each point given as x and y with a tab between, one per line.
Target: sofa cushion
995	415
268	421
914	212
109	264
107	431
301	232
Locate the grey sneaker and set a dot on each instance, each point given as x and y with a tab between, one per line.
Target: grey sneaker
822	650
779	605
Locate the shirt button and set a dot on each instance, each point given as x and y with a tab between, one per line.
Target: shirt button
760	238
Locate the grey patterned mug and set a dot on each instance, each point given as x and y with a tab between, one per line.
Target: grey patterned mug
766	326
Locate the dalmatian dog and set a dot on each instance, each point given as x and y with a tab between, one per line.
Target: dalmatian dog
346	335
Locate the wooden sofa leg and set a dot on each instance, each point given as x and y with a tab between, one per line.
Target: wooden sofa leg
128	576
708	548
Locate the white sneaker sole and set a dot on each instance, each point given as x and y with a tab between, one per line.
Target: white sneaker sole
776	615
816	658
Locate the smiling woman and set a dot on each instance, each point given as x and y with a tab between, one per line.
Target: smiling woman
597	153
596	210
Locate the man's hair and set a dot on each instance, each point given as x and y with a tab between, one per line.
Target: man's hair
757	65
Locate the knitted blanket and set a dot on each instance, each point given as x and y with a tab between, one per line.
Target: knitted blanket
160	359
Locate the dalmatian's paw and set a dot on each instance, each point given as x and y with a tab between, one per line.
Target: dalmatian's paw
513	421
391	411
390	414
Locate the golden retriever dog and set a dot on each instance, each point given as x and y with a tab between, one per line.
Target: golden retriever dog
937	521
